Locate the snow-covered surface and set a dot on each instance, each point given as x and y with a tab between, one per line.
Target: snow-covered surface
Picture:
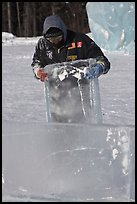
9	39
7	36
112	25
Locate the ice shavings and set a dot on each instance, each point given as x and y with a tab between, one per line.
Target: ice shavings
115	153
77	73
63	75
119	144
125	149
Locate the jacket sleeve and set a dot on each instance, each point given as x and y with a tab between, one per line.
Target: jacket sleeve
36	60
94	51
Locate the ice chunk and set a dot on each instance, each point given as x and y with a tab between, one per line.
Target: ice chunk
113	25
67	162
70	97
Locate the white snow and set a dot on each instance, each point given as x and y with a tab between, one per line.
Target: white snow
9	39
7	36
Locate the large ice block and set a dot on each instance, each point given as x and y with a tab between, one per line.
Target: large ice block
67	162
69	96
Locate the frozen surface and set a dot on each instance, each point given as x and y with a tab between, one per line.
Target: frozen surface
68	162
70	150
112	25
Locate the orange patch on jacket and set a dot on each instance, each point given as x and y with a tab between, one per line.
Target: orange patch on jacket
73	45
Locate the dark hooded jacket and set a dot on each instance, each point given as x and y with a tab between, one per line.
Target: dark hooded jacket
76	46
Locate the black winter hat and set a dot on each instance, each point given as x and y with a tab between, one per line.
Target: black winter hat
53	32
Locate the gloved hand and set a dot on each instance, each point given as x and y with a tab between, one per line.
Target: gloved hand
42	75
94	72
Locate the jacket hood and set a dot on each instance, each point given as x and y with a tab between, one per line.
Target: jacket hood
54	21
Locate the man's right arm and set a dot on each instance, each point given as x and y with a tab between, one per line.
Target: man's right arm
36	64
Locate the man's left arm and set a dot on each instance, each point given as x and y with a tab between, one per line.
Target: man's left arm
102	63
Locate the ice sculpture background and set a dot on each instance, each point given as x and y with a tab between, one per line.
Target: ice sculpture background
113	25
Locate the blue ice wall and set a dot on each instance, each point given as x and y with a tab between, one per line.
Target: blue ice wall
112	25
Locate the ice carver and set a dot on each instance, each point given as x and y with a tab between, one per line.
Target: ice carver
59	44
